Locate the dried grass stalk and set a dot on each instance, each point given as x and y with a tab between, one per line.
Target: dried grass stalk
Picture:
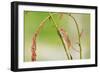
33	50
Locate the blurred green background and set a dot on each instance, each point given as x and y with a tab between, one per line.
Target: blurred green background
49	45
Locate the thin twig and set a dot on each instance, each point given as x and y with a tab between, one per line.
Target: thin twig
78	31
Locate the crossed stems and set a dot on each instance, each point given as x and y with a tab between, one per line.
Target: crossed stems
61	37
66	49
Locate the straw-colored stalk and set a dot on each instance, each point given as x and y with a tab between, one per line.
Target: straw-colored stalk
79	36
64	38
33	48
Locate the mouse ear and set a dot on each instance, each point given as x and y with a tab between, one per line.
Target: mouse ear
65	41
65	37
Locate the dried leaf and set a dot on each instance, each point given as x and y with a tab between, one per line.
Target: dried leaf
33	48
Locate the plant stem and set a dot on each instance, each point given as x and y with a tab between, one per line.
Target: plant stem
35	36
53	21
41	26
66	49
78	31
